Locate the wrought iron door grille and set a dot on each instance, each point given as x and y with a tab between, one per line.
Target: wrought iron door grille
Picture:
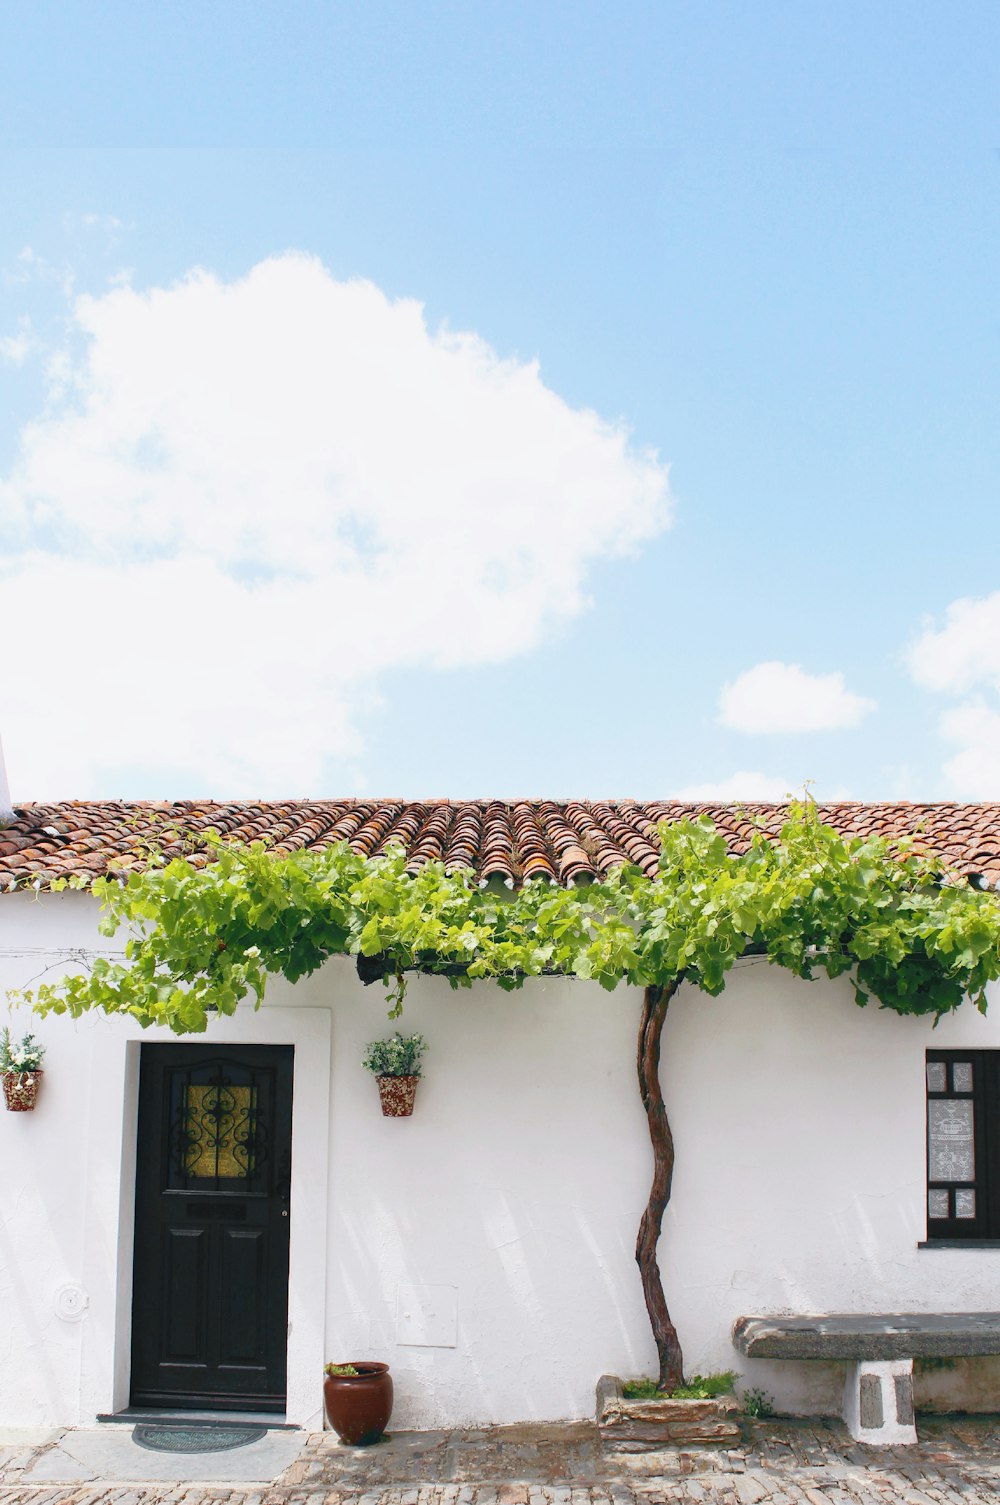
218	1131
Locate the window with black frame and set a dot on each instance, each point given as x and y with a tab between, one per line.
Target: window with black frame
963	1159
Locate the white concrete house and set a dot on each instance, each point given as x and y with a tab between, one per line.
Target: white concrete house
484	1247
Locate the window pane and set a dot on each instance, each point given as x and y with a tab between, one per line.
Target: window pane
937	1076
949	1135
961	1076
219	1117
965	1204
219	1125
937	1204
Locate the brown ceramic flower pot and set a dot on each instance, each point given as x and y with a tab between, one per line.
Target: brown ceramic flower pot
20	1090
358	1406
397	1094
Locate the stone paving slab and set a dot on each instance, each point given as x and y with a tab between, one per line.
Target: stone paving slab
811	1462
28	1437
108	1455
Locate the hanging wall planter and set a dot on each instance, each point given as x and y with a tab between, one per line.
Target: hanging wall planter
20	1071
397	1094
395	1064
20	1090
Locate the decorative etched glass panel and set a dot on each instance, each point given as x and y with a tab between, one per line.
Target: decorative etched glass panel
937	1076
965	1204
937	1204
952	1155
961	1076
219	1124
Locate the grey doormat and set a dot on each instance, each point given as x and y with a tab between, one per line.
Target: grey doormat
194	1439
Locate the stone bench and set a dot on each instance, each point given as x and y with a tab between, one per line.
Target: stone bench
880	1349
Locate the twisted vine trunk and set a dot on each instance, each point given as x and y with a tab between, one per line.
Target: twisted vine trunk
654	1011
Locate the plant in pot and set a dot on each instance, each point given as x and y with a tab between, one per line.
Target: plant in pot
395	1064
20	1070
639	1415
358	1400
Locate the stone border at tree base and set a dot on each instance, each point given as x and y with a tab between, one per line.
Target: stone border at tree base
638	1426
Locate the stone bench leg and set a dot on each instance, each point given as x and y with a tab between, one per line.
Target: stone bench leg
878	1401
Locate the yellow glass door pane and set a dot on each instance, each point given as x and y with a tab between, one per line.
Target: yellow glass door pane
219	1124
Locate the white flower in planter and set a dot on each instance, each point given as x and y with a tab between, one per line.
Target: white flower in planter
22	1058
20	1069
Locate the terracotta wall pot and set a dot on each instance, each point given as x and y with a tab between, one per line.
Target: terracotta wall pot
358	1406
397	1094
20	1089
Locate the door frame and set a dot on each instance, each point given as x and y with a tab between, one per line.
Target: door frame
109	1218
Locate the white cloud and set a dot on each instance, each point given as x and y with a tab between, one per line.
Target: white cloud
777	697
739	786
30	267
247	501
965	652
109	223
974	771
27	265
962	658
15	348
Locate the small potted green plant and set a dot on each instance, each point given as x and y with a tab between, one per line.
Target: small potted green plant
700	1412
395	1064
21	1072
358	1400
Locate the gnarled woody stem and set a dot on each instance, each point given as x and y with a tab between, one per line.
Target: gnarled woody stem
654	1011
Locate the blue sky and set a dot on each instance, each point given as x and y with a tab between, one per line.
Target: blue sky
762	239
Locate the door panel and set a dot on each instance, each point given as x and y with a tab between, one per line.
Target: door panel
184	1270
213	1176
244	1284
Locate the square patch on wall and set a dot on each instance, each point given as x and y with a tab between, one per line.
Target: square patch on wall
427	1316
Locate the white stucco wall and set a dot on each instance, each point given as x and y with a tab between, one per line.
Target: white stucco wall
499	1222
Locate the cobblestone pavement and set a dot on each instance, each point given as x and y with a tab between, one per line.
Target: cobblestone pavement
957	1462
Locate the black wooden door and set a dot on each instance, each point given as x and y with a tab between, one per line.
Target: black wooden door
213	1175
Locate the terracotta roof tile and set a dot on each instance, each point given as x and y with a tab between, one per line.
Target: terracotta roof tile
557	841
